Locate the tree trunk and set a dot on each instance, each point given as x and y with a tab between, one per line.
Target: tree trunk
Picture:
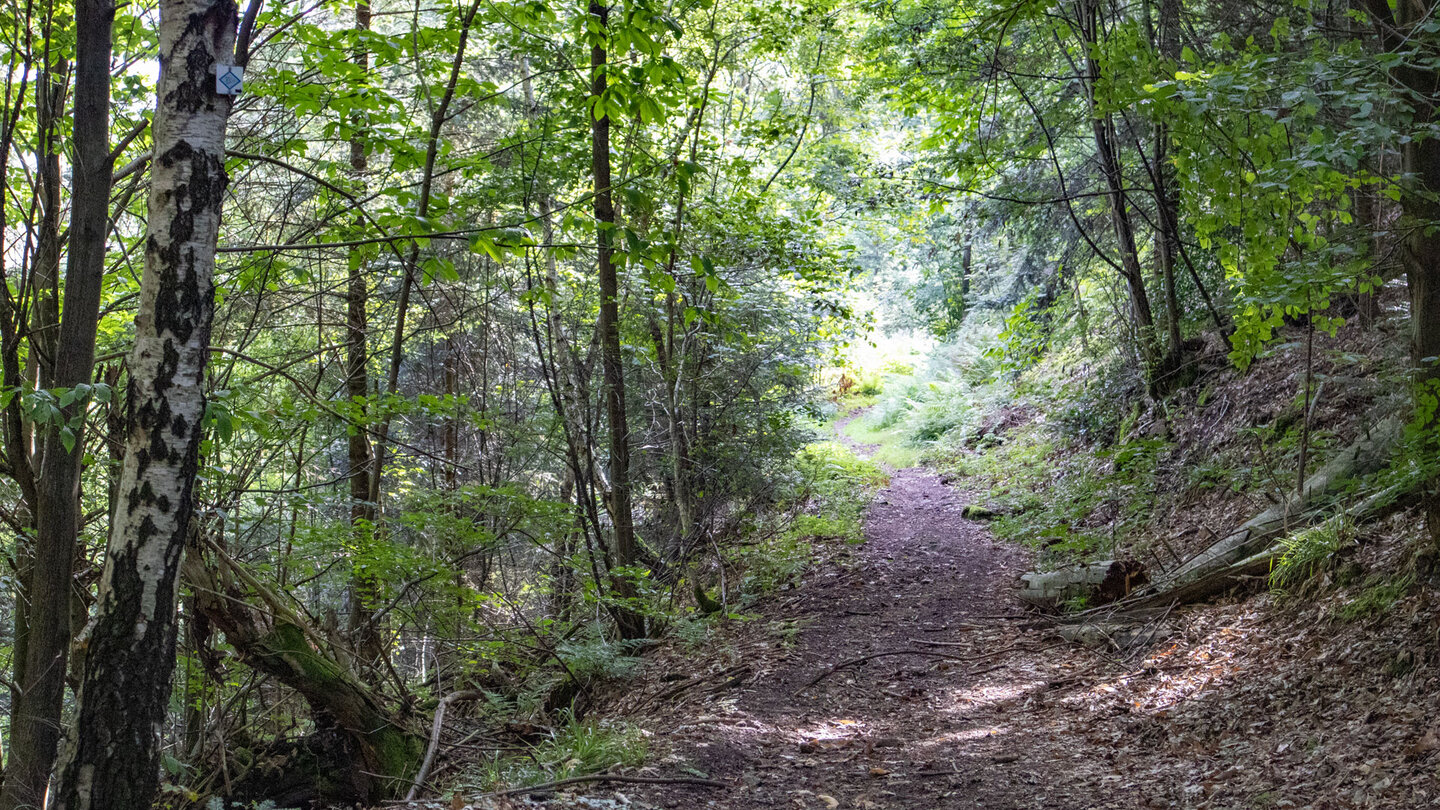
679	458
112	759
368	643
1420	254
631	624
1102	129
357	386
44	283
1367	214
567	378
35	725
1167	198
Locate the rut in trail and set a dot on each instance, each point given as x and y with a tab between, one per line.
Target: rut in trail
899	731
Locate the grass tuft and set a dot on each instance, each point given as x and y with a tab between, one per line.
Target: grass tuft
1308	551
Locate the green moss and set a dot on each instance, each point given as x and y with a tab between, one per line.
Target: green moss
1071	501
1375	600
390	751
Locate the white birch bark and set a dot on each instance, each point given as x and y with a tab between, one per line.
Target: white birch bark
111	759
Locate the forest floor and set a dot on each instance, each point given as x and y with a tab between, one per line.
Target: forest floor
902	673
952	709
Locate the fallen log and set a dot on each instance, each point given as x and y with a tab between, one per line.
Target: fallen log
607	777
1246	554
1250	569
1098	582
1367	454
370	750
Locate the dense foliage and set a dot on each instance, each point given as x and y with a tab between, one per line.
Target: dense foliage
523	312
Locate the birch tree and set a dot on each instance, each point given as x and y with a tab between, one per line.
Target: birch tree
112	758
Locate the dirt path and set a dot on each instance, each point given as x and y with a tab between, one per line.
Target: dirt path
1225	710
912	729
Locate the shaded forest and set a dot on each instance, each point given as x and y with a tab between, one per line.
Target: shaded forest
452	404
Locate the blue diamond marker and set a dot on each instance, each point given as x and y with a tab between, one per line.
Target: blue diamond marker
228	79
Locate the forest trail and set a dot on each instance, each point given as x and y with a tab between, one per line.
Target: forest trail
940	718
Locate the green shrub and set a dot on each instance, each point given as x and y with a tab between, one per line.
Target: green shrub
899	367
692	631
835	478
592	656
590	746
868	384
829	490
770	563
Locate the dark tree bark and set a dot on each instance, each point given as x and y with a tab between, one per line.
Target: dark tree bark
1167	192
1420	254
365	635
566	378
631	624
14	428
43	284
35	722
112	759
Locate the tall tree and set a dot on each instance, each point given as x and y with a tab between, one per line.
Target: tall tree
112	760
1405	26
1167	192
357	385
35	728
368	643
632	624
1102	126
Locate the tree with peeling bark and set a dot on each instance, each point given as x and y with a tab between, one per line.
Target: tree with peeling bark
113	756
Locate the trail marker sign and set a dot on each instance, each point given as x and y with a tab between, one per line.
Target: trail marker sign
228	79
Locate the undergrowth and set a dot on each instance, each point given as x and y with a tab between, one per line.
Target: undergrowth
1072	502
1308	551
1376	599
826	500
573	748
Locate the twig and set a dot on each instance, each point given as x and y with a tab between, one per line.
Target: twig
608	777
692	683
1151	628
958	644
469	694
975	672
